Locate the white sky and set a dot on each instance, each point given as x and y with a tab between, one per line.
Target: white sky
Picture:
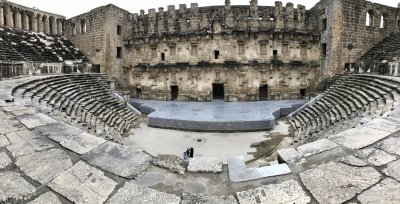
70	8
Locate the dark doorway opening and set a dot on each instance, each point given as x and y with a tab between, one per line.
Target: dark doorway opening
218	91
263	92
162	56
275	54
216	54
138	93
174	92
303	92
383	69
96	68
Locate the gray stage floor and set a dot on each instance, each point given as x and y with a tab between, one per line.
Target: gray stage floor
216	115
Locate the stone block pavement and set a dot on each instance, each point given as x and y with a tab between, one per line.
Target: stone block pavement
43	160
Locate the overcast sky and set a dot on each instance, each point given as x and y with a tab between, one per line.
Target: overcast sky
70	8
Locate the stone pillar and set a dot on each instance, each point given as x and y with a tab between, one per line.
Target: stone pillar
1	15
194	19
9	16
39	23
33	20
53	26
171	18
152	21
17	17
182	17
59	27
290	15
25	21
254	15
46	25
278	16
229	14
160	19
301	16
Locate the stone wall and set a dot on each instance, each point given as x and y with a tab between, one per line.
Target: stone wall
95	33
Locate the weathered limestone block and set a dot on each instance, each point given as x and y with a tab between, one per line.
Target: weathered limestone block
285	192
4	141
29	147
352	160
47	198
206	199
120	160
359	137
336	183
393	170
14	188
133	193
171	162
35	120
289	155
4	160
379	158
44	166
387	191
205	165
390	145
316	147
83	184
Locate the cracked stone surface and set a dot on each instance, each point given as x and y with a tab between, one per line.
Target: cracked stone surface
14	108
206	199
14	188
285	192
387	192
4	160
352	160
7	125
359	137
47	198
316	147
390	145
206	165
379	158
385	124
364	153
58	131
4	141
93	185
44	166
336	182
35	120
120	160
171	162
133	193
29	147
289	155
82	143
393	170
21	136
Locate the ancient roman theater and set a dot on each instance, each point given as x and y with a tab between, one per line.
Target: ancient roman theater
248	104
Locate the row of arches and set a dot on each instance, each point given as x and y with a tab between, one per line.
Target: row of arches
28	20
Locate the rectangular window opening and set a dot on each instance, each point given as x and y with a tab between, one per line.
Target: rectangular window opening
275	54
119	52
323	50
324	24
216	54
162	56
119	30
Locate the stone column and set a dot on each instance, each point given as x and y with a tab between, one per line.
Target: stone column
46	25
160	19
278	15
39	23
301	16
53	26
17	16
9	16
290	15
1	15
25	21
171	18
34	22
152	21
59	27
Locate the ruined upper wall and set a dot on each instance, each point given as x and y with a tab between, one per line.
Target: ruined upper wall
219	19
30	19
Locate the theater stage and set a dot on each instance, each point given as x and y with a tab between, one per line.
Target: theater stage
216	116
